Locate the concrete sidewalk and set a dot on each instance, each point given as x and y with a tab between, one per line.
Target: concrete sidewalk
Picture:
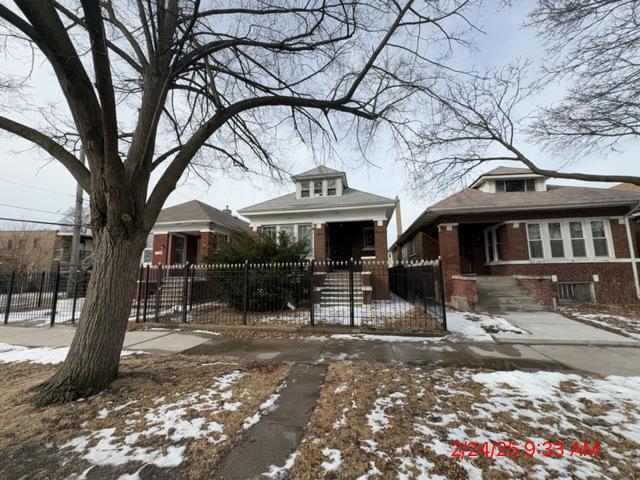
151	341
551	328
604	360
600	360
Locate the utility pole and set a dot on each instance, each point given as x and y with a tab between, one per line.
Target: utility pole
74	260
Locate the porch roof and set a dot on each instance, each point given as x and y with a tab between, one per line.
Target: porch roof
196	211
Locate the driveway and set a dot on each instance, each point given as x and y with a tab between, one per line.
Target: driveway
551	328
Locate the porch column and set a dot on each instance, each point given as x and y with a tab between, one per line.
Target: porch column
160	253
205	238
450	254
380	239
320	241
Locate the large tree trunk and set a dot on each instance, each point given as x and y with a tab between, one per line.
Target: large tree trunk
94	356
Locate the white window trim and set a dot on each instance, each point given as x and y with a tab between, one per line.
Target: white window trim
566	239
296	235
493	232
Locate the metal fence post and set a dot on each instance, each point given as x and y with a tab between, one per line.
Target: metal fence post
185	288
351	299
9	293
312	319
158	292
146	295
442	295
244	293
75	298
54	300
39	302
139	293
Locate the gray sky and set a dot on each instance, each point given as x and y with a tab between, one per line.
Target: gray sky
504	40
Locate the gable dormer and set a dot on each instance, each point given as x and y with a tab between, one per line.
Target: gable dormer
509	179
320	182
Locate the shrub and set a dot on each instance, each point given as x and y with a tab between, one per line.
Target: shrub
269	287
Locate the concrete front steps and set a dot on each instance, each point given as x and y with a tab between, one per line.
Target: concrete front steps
335	289
497	294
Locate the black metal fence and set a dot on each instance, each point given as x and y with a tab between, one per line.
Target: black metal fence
368	294
42	298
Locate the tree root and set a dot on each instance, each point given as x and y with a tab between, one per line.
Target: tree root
61	390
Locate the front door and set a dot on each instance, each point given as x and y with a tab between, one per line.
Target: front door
340	242
177	255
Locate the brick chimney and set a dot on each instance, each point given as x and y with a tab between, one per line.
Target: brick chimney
398	217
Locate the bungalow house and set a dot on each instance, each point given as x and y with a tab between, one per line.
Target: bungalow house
340	223
187	232
510	231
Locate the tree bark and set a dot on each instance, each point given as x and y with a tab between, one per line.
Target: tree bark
93	359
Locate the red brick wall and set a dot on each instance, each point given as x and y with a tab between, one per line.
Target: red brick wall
160	249
429	248
615	285
514	241
320	242
464	291
619	237
450	253
542	289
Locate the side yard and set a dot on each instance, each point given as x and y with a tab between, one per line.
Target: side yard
376	421
165	417
622	321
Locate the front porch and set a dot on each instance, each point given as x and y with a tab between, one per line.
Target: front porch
346	241
182	247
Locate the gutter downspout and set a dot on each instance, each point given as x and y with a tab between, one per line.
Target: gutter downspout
632	255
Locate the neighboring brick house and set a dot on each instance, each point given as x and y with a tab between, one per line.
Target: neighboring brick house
187	232
339	222
561	243
39	250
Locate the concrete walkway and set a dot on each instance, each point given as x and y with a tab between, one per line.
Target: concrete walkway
151	341
269	443
551	328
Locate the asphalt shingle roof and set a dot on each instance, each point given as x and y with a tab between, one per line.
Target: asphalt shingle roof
349	197
555	196
196	210
507	171
318	171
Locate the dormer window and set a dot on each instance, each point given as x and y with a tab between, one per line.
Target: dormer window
317	189
331	188
304	190
528	185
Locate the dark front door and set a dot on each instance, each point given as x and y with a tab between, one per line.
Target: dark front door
340	242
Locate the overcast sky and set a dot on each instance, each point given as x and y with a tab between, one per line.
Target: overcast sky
22	168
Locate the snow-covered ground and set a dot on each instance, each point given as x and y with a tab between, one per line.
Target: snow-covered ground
408	420
191	416
629	325
42	317
43	355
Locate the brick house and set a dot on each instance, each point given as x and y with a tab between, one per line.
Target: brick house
558	243
40	250
339	222
186	233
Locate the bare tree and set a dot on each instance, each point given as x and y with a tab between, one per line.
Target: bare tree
596	47
164	80
481	118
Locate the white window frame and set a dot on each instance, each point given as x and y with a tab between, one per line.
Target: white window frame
494	237
296	234
566	239
307	189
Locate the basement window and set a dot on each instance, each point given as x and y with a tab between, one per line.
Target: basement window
575	292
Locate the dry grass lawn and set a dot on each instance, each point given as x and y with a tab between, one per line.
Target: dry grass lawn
379	422
164	417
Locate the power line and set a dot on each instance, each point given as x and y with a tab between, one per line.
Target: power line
37	188
24	220
32	209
